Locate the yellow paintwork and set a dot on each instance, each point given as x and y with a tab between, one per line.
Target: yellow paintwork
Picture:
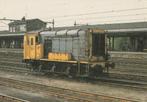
71	61
59	56
32	50
97	30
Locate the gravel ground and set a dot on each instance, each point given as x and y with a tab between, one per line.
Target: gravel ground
101	88
25	95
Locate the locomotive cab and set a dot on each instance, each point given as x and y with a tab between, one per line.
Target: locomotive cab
33	47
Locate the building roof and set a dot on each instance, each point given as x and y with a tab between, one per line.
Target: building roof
111	28
8	33
4	32
19	22
131	25
115	26
12	34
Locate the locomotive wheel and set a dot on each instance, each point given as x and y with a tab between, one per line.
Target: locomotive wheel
53	68
68	70
96	71
30	66
71	71
40	68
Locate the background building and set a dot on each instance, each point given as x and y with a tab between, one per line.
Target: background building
129	37
26	25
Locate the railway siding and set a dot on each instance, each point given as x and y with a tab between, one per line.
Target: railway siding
132	55
67	94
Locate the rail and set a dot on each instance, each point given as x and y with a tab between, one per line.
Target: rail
6	98
67	94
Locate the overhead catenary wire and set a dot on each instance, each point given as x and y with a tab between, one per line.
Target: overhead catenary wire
116	21
81	16
100	12
85	16
108	17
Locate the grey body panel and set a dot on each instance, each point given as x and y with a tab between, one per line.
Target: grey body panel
71	41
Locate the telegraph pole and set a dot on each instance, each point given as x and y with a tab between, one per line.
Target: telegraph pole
53	23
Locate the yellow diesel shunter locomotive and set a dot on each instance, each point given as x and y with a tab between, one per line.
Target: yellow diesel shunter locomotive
81	52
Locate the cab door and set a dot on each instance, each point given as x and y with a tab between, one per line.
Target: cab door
98	44
26	47
32	49
39	47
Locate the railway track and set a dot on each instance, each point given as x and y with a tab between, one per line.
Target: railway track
67	94
113	78
15	65
5	98
8	68
129	60
121	63
111	75
12	63
11	59
128	76
122	83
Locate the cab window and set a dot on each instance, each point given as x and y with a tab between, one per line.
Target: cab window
32	42
37	40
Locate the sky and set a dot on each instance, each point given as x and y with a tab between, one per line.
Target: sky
66	12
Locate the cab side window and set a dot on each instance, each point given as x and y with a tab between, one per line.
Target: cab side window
28	42
37	40
32	43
